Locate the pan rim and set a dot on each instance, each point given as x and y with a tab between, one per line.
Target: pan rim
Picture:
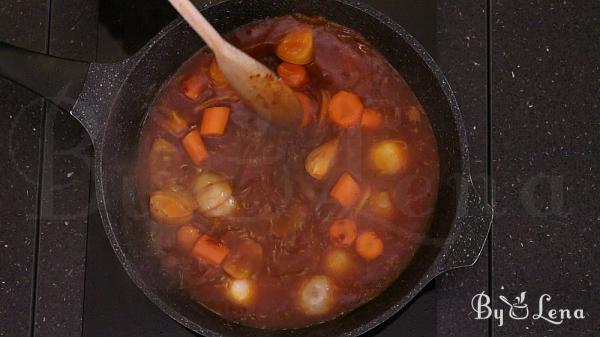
431	272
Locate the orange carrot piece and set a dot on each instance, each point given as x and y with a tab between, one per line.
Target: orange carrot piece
214	121
216	74
343	232
346	191
193	86
369	245
187	235
371	120
292	74
309	106
210	250
346	109
297	47
194	146
173	122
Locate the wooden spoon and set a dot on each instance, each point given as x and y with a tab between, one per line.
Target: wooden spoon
254	82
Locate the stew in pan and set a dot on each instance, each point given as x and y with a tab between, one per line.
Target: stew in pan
277	228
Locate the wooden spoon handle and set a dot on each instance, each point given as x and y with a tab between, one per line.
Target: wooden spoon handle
199	23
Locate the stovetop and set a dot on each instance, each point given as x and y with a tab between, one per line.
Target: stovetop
525	75
81	287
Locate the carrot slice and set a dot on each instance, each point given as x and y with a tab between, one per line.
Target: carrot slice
346	191
216	74
173	122
371	120
346	109
343	232
309	106
369	245
214	121
187	235
193	86
297	47
292	74
210	250
194	146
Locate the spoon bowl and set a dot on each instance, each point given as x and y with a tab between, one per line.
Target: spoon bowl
256	84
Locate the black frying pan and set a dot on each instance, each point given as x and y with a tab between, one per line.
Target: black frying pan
112	105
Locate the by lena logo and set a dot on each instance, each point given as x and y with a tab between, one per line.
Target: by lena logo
518	309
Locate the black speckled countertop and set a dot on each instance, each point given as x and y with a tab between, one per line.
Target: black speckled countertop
545	159
526	75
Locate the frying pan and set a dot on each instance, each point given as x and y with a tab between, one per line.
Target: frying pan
112	101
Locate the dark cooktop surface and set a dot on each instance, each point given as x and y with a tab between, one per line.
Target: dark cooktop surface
525	74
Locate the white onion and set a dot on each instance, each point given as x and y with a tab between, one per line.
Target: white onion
206	179
240	291
214	195
224	209
316	295
320	160
389	156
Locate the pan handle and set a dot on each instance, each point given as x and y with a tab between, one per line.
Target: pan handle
472	232
101	85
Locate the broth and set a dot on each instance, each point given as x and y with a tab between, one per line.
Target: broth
277	228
